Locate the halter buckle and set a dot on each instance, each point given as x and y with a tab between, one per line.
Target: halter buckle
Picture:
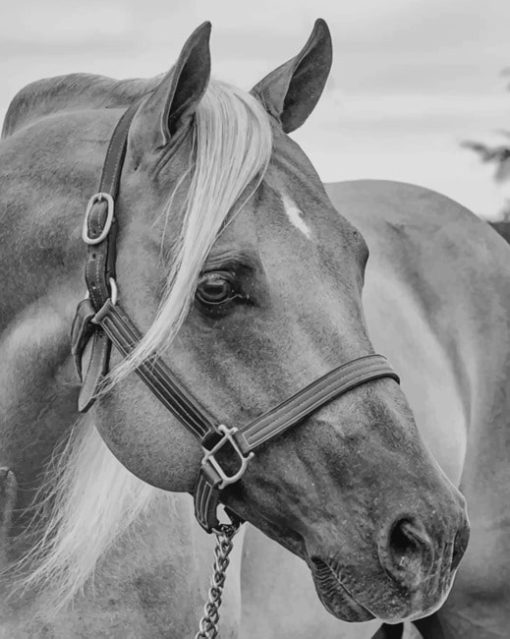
209	459
98	197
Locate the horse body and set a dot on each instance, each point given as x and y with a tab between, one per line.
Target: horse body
435	271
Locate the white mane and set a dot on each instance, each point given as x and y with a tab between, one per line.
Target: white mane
93	497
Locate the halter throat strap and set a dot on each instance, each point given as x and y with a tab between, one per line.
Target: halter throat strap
101	321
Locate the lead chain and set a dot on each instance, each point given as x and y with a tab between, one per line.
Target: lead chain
208	626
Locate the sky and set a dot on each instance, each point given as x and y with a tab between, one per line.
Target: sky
411	79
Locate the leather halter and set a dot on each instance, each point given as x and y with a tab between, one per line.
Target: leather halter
101	319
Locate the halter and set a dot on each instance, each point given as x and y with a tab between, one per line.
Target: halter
101	319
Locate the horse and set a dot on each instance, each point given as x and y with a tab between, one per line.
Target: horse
248	280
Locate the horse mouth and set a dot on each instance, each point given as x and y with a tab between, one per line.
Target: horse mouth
334	594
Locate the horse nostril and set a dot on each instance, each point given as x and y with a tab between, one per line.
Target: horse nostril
408	540
402	540
407	553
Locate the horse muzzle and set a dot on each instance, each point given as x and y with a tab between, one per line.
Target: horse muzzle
411	578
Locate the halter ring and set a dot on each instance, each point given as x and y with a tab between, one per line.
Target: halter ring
210	459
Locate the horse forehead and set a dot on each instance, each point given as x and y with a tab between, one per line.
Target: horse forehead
295	215
296	196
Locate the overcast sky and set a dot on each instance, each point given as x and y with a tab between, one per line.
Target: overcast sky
411	78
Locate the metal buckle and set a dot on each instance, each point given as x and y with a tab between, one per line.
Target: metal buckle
98	197
209	457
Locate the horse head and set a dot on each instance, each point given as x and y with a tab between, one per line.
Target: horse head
248	284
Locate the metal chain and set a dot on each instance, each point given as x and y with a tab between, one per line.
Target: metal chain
208	626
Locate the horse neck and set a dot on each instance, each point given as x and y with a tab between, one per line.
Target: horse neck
42	200
41	263
73	92
156	576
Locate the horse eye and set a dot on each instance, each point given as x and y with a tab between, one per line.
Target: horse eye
215	289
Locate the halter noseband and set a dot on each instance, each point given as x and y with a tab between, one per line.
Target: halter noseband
101	319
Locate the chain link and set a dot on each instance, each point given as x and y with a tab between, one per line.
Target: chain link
208	626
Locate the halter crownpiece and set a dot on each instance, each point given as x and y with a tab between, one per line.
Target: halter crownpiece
101	319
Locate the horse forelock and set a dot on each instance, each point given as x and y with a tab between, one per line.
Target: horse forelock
92	499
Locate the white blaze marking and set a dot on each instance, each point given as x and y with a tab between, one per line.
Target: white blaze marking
295	215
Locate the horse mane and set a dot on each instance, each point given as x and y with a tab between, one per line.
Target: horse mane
90	498
72	92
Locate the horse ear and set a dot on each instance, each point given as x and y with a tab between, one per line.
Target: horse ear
174	101
291	91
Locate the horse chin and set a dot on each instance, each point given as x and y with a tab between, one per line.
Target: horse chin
335	596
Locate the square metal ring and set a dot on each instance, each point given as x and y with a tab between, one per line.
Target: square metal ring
209	457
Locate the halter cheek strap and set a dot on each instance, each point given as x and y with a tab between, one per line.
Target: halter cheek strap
101	321
100	234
